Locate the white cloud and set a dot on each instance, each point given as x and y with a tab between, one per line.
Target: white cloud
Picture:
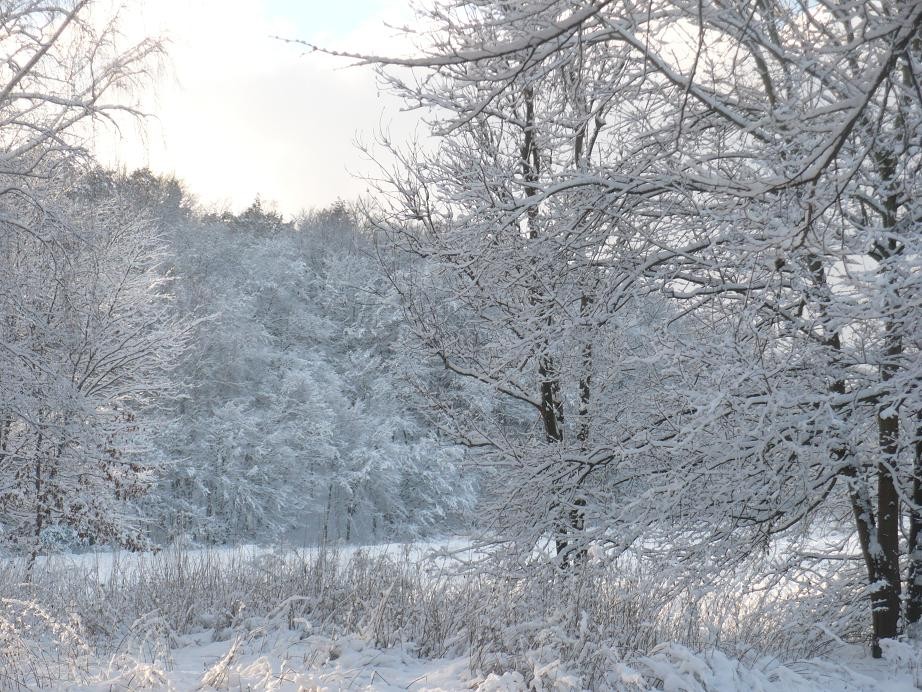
241	113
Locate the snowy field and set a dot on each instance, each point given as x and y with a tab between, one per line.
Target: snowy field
376	618
100	565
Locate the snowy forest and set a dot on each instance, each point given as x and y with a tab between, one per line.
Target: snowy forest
613	380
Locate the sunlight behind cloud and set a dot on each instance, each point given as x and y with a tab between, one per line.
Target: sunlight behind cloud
239	112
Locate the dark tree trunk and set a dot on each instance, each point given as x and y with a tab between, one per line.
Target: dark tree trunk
914	578
886	598
551	402
877	528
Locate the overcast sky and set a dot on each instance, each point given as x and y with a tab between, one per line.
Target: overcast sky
239	113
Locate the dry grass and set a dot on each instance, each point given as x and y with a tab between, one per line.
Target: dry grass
538	623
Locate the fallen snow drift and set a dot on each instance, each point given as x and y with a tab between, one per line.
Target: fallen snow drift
302	661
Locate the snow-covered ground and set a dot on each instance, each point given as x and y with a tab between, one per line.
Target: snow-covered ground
307	662
269	640
100	564
317	662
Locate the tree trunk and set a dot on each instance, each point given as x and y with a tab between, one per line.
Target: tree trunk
914	577
39	508
887	597
551	401
878	532
325	535
578	512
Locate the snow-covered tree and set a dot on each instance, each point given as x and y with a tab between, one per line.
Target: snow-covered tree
752	162
516	258
81	331
296	421
89	335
